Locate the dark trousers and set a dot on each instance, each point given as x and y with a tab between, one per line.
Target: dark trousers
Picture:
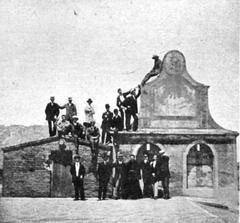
165	185
130	114
147	189
52	128
102	190
79	189
105	132
122	116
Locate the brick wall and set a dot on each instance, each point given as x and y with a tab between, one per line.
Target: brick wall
24	173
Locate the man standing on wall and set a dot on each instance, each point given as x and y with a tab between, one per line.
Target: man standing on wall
71	109
132	109
78	172
52	112
89	112
120	100
106	124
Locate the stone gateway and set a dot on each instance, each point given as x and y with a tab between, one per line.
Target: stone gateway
174	115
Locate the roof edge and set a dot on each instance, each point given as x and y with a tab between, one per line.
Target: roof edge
48	140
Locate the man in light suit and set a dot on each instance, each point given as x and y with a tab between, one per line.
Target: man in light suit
78	172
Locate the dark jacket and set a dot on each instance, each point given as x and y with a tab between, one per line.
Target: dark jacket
106	120
117	122
119	102
131	103
73	172
120	170
156	171
51	111
104	171
163	167
133	170
146	172
78	130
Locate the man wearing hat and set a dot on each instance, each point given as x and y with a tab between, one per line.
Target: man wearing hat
119	190
146	174
155	70
78	172
89	111
104	172
52	112
77	128
164	173
106	124
133	176
132	109
71	109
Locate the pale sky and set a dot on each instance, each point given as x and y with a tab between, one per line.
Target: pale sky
47	50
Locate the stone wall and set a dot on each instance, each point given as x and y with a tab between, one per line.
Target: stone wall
25	174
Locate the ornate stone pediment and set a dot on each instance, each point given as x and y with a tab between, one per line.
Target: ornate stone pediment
174	99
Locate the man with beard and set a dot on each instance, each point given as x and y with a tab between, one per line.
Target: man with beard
146	176
133	177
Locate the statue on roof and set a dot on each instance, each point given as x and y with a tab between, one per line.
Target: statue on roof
157	67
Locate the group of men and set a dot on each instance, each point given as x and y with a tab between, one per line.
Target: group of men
127	177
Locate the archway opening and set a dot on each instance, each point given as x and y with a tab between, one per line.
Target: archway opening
200	167
147	148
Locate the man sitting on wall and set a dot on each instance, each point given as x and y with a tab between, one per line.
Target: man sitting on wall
64	127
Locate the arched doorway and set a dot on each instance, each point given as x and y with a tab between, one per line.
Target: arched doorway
200	167
149	149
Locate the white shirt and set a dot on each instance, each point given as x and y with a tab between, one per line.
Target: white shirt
77	165
89	112
154	163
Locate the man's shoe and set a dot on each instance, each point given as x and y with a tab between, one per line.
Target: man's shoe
83	199
99	199
76	199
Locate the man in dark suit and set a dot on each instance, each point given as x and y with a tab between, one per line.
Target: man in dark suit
78	172
133	176
132	109
120	100
117	121
104	172
106	124
52	112
164	173
146	176
119	178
